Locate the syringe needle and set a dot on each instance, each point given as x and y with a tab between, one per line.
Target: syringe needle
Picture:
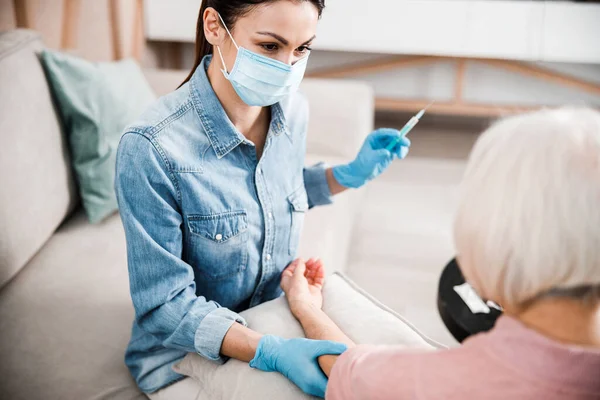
429	105
422	112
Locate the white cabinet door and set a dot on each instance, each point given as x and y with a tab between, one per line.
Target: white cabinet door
394	26
462	28
571	33
504	29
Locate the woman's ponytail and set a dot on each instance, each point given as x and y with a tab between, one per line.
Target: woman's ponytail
203	48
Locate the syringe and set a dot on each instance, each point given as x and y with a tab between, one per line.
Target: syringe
408	127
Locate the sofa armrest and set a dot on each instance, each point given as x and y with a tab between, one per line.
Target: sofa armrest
164	81
342	114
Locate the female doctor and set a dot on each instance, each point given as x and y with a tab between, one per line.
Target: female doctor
212	192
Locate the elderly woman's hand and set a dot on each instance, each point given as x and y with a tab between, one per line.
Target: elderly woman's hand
302	283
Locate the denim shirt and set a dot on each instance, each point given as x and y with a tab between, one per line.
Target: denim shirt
209	226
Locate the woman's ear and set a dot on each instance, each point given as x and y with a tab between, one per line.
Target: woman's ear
213	28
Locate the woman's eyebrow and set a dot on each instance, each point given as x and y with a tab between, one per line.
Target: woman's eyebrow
309	40
276	36
284	41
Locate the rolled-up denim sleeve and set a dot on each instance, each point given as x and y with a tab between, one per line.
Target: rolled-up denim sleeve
317	187
162	285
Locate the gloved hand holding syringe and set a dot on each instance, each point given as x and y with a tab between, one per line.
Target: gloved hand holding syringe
408	127
379	150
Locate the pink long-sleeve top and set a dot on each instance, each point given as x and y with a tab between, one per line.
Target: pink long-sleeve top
509	362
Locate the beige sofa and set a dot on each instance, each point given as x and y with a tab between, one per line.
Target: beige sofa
65	310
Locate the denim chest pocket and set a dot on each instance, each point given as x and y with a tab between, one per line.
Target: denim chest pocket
218	244
298	202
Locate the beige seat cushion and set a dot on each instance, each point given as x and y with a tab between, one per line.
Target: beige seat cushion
359	315
66	318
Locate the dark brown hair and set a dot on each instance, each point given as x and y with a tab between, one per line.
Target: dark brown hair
230	11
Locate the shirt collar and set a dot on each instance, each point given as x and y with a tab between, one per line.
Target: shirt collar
278	122
223	136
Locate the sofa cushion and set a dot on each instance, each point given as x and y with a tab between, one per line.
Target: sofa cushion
164	81
341	116
38	190
97	101
66	318
359	315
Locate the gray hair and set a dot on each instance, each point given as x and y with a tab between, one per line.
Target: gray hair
528	221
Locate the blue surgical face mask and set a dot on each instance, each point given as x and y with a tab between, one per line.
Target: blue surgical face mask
259	80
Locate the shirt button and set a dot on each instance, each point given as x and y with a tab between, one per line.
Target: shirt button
270	215
268	257
259	170
219	237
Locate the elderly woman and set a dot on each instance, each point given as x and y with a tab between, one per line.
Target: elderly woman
527	233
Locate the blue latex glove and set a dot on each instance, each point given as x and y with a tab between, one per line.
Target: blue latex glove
296	359
373	158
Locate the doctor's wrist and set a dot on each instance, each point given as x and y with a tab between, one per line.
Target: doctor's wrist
335	187
346	176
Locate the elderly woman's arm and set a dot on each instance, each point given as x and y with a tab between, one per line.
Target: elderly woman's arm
302	284
317	325
362	371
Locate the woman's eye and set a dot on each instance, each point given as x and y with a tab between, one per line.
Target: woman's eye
303	49
270	47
